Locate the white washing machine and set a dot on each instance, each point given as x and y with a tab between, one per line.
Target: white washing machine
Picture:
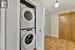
27	39
27	16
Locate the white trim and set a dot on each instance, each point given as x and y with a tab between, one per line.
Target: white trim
3	28
18	24
31	2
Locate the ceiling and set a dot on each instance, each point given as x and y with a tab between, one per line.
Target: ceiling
49	4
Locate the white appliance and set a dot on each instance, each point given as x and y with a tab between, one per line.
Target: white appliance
27	16
27	12
28	40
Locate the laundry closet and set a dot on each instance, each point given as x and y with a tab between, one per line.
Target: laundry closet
22	25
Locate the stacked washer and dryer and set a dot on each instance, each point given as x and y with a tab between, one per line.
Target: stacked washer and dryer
28	14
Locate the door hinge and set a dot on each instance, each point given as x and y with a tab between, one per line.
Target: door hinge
3	4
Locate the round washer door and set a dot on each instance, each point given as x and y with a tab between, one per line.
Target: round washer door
28	40
27	14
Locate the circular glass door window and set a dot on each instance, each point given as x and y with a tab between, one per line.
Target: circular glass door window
28	15
29	39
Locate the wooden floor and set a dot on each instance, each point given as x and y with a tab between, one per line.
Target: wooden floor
52	43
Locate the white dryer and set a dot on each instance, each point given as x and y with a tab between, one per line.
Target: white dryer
27	16
28	39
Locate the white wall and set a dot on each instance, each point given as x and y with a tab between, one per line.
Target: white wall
54	24
2	28
40	24
12	24
51	24
47	24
